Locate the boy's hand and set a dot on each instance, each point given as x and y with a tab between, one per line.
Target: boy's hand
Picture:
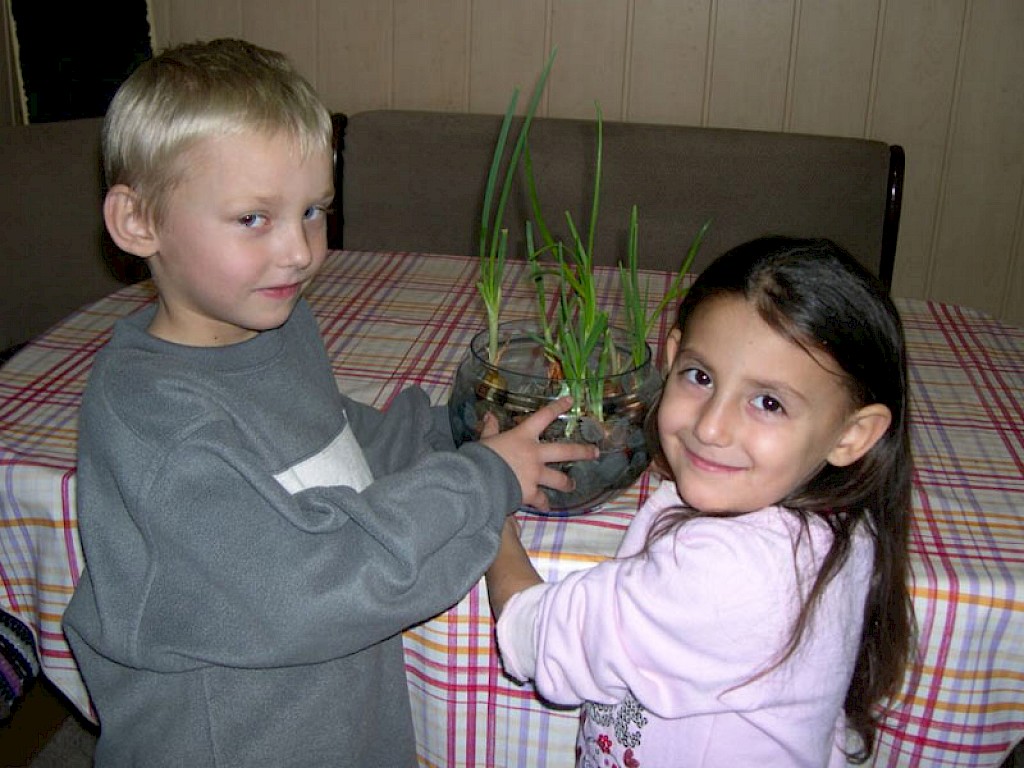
528	457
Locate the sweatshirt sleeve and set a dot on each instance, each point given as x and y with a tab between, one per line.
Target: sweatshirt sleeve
231	568
696	614
395	438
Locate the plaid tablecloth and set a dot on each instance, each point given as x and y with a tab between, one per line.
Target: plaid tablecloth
394	320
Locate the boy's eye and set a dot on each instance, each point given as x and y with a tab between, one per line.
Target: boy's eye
252	220
697	376
768	404
315	212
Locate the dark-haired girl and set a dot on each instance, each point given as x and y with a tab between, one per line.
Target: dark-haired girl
757	610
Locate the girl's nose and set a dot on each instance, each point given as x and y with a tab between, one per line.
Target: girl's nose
714	423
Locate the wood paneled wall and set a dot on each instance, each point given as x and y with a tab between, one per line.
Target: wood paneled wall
944	78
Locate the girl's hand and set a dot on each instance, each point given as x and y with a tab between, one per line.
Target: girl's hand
528	457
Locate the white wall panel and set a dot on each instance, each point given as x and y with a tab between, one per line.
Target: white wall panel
285	25
941	77
668	61
189	20
431	50
981	201
591	40
509	45
831	79
751	46
920	42
356	45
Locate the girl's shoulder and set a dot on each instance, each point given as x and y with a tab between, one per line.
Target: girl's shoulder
769	536
764	539
774	520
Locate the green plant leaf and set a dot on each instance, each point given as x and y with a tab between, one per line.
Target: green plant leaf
493	241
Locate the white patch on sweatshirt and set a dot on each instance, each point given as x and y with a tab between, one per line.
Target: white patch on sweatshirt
340	463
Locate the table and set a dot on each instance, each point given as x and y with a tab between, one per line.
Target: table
393	320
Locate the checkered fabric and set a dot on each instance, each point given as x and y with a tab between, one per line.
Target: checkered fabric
392	320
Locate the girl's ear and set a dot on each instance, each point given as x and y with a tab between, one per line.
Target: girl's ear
863	429
127	222
672	342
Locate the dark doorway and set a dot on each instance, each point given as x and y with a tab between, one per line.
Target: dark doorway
73	56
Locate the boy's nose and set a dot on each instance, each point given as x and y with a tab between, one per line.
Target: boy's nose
299	249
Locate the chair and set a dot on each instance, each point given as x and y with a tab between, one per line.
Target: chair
414	180
56	254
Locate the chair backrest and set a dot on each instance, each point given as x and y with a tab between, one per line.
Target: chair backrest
55	251
414	181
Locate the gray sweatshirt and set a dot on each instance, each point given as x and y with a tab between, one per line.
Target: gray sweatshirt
255	543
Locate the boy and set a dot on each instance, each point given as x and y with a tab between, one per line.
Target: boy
255	541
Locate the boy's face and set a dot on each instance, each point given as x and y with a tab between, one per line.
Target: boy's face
243	234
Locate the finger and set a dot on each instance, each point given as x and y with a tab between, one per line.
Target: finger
554	453
490	425
556	480
539	420
538	500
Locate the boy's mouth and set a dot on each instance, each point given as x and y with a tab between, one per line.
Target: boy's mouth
281	292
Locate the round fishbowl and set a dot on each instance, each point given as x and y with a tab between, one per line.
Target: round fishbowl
609	412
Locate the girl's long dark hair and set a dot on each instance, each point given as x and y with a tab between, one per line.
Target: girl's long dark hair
817	295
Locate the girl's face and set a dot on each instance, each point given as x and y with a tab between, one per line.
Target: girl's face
245	232
747	416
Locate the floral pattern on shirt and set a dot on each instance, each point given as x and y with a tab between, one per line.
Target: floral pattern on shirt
604	727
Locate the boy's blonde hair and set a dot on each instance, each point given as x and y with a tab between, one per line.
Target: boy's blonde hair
198	91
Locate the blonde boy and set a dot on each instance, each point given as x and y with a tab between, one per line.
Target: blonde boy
255	540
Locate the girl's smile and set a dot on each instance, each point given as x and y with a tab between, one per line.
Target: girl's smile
707	465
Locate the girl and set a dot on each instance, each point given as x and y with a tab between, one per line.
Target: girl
758	606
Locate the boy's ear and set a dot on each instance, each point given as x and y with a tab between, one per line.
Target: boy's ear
128	223
863	429
672	342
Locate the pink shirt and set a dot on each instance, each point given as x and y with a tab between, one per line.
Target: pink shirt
660	646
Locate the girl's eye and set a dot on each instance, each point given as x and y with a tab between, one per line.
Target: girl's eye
768	404
697	376
252	220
